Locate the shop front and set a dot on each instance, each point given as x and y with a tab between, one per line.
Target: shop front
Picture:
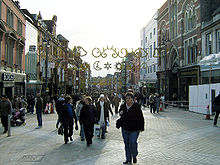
12	84
187	76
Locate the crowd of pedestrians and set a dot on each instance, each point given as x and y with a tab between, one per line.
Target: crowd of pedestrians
93	111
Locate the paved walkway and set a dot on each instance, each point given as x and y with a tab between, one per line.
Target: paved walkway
171	137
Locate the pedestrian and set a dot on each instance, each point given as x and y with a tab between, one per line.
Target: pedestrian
131	123
67	118
5	110
152	103
79	106
59	106
157	102
216	108
88	117
20	103
39	109
117	101
103	115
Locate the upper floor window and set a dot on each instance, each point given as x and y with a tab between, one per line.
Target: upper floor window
190	18
19	27
150	51
146	39
150	35
0	9
10	18
218	41
208	44
154	31
190	51
173	20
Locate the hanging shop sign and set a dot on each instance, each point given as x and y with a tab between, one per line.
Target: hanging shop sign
8	77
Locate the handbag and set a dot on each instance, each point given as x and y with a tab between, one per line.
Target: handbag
96	129
60	130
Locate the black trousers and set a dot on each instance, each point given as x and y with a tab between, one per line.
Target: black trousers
216	117
116	110
68	130
88	130
4	120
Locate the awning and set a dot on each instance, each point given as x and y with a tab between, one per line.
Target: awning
210	62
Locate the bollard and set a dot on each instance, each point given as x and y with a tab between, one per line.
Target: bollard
9	126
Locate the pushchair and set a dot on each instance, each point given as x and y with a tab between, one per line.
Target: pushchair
18	117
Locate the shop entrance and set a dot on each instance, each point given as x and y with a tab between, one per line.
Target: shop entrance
8	92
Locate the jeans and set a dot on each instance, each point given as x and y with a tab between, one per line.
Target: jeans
103	130
130	141
39	117
82	135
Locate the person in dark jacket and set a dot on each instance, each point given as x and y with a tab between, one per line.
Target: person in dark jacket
5	110
59	106
88	116
67	118
216	104
132	123
39	109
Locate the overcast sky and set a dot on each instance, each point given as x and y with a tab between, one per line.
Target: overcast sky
97	23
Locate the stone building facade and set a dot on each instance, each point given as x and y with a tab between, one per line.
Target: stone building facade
12	54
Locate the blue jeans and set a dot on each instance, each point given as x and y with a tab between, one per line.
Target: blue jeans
102	129
39	117
82	135
130	141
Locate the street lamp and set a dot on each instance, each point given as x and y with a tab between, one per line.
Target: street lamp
47	43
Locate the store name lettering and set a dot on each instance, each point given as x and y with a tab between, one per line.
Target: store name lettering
8	77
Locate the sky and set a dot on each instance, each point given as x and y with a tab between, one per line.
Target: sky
98	24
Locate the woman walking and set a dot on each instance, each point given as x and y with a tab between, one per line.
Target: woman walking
132	123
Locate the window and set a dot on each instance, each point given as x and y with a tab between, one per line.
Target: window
9	52
218	40
154	68
150	51
173	20
208	44
150	69
19	27
150	35
146	39
10	18
19	56
190	51
154	31
190	18
32	48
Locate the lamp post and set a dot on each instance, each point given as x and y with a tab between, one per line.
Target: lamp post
47	43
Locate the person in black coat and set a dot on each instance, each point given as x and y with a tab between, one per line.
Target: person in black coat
88	117
216	104
67	118
132	123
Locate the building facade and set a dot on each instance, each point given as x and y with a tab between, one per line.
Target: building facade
12	54
179	40
148	77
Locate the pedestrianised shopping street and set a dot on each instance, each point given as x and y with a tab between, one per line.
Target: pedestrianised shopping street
172	137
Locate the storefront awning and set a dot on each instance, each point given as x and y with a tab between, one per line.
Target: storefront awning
210	62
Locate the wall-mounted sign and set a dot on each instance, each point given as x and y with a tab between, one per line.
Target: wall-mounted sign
8	77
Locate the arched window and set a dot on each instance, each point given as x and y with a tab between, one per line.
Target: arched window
190	17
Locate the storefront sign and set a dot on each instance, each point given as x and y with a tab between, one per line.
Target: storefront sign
8	77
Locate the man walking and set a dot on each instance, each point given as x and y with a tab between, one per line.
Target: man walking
39	109
5	110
